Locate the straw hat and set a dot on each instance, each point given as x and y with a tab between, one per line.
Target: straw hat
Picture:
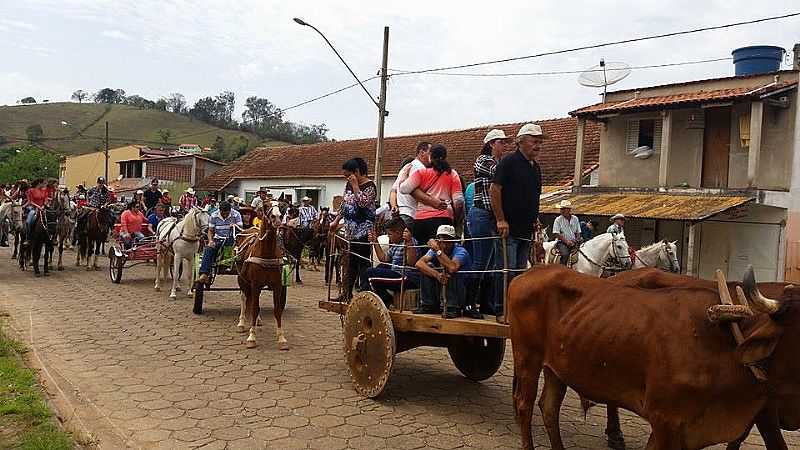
565	204
494	134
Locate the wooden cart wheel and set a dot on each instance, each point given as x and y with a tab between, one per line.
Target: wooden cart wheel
199	289
115	265
477	358
369	343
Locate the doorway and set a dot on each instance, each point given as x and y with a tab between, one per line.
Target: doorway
716	147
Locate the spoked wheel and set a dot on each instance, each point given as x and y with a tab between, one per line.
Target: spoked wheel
115	265
369	343
477	358
199	291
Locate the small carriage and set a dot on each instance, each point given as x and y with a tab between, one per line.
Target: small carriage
225	264
121	254
374	334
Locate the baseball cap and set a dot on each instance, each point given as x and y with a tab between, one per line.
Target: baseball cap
531	129
446	230
494	134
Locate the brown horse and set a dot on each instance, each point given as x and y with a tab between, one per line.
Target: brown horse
92	233
260	264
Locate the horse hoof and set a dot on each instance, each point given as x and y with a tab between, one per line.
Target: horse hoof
284	346
158	289
189	293
250	344
173	296
241	328
88	268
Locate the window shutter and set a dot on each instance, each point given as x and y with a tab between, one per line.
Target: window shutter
657	135
632	136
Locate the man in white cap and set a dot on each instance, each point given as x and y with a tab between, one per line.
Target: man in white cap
567	231
263	199
405	204
307	213
449	257
617	224
188	200
516	188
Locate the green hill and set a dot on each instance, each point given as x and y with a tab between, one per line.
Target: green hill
127	125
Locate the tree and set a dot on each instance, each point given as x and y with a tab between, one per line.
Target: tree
176	103
80	95
28	161
108	95
204	110
27	100
34	133
261	114
165	134
139	102
161	104
224	111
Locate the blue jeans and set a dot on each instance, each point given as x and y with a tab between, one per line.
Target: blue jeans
130	238
385	281
481	223
518	251
455	291
30	220
210	254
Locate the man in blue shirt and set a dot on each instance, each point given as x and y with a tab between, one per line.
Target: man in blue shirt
156	216
451	258
220	233
389	276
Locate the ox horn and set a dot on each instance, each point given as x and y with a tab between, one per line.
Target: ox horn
758	301
728	313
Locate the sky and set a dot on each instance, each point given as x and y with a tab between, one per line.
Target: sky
252	47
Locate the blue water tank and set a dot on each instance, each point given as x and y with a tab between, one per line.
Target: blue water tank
757	59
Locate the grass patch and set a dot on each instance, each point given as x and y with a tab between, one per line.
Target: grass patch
26	421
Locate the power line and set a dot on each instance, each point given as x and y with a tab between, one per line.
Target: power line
610	43
329	94
559	72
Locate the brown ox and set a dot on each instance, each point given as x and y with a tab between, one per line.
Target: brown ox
652	351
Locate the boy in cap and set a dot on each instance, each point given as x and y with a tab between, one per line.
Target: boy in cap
445	253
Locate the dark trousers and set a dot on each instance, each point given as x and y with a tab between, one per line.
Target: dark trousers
210	254
431	293
426	228
358	262
563	251
385	281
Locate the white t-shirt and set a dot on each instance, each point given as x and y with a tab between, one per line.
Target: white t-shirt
406	203
568	229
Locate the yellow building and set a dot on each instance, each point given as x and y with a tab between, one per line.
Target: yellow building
84	169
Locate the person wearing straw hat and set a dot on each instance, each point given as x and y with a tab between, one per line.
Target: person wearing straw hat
188	200
567	230
617	224
263	199
307	213
447	255
515	191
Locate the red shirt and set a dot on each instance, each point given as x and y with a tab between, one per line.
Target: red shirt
81	203
37	196
132	221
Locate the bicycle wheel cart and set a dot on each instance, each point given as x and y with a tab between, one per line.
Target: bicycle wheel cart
119	255
374	334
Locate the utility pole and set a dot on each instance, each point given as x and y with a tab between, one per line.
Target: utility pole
106	152
382	113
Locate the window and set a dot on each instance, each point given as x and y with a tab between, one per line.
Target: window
643	132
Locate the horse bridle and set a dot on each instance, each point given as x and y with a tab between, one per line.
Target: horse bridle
613	257
667	251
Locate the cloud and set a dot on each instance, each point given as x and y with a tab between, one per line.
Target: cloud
17	24
116	34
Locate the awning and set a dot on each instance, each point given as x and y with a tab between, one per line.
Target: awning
644	205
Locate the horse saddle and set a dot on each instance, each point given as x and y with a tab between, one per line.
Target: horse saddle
555	257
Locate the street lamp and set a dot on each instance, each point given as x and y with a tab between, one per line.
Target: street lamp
380	103
64	123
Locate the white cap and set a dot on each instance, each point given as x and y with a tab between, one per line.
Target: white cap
495	134
190	191
564	204
230	197
140	191
617	216
531	129
61	187
164	191
306	199
446	230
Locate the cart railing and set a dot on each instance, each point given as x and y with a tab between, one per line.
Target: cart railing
333	255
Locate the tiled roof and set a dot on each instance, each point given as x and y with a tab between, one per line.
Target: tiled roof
645	205
174	156
675	100
463	146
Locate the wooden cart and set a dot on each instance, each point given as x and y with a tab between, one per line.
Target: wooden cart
373	335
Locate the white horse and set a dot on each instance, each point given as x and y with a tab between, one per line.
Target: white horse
179	241
663	255
595	254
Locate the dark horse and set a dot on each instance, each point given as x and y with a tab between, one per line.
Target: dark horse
294	241
259	265
92	234
41	237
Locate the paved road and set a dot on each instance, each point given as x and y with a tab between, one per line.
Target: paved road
142	371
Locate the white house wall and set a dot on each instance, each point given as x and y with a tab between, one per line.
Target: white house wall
329	187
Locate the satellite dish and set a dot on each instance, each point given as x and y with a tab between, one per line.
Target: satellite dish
604	75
